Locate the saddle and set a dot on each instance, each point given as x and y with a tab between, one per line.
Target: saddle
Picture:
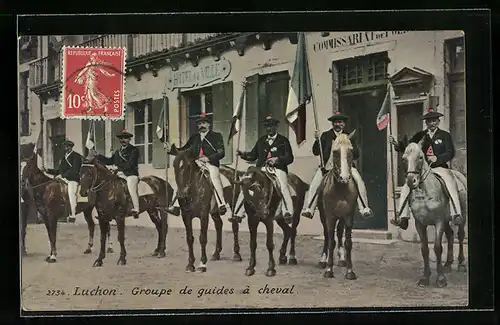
272	178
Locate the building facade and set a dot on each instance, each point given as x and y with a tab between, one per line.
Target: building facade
204	73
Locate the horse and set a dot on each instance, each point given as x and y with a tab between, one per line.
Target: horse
51	200
338	199
112	201
429	203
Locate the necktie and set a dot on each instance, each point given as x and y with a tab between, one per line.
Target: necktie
268	155
201	152
430	151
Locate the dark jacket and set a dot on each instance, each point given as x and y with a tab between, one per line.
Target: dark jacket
327	139
69	167
280	148
125	159
442	145
212	144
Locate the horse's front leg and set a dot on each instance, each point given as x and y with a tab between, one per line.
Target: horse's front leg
461	258
438	250
424	248
120	225
91	226
323	258
341	250
218	232
449	254
51	225
236	246
153	215
188	224
269	222
330	224
253	222
350	275
286	236
104	227
24	222
203	243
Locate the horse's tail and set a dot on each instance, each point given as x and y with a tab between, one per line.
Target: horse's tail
159	187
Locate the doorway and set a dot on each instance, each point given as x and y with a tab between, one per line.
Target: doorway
362	108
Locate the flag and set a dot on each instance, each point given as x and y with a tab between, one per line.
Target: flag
236	123
160	127
90	143
38	148
384	115
300	92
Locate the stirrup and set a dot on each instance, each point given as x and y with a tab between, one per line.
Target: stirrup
236	218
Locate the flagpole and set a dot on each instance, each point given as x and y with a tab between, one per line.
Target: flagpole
165	141
313	101
235	177
392	158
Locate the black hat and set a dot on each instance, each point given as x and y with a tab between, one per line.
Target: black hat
270	120
338	117
68	142
431	114
203	117
124	134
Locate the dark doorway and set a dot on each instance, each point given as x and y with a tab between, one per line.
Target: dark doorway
362	108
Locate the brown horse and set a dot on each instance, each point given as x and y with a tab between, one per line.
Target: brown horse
338	195
112	201
262	201
50	197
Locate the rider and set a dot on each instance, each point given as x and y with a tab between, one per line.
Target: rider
437	145
208	146
126	159
327	138
273	150
69	172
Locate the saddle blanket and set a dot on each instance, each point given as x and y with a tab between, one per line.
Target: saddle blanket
143	188
439	171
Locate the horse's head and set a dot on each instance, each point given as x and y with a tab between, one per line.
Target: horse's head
30	171
342	151
415	161
183	167
257	189
88	175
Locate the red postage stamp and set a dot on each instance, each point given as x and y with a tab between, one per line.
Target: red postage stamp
93	85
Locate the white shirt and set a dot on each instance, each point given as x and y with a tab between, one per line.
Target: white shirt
337	133
270	139
203	135
67	155
431	133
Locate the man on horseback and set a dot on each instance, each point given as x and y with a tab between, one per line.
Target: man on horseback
327	138
272	150
126	159
208	146
69	172
438	147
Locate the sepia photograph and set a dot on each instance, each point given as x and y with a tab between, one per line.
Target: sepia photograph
243	170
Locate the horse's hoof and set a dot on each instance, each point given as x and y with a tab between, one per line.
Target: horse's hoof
462	268
201	269
447	268
441	281
328	274
270	272
87	251
237	257
110	250
424	282
282	260
215	257
47	258
121	261
97	263
351	275
249	272
51	260
292	261
341	263
161	254
321	265
190	268
154	253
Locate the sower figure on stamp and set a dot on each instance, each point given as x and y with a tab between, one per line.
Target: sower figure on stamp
126	159
69	172
271	150
208	146
327	138
439	150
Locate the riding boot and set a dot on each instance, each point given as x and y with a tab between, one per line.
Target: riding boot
363	197
403	220
287	196
239	209
217	183
451	185
132	182
72	195
174	208
312	195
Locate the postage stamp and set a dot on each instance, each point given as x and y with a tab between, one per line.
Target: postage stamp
93	83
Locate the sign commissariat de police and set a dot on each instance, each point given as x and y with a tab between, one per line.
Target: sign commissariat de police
356	38
201	75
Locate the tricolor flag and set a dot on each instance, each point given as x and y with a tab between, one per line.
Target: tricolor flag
38	148
90	142
161	125
384	115
236	123
300	92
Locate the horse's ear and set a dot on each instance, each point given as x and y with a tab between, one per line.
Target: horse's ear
352	134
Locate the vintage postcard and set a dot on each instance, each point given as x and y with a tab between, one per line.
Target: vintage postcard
243	170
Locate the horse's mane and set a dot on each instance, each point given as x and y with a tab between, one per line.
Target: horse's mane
411	148
343	140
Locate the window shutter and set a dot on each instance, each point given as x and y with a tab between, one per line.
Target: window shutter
222	97
252	116
116	127
100	142
159	153
276	98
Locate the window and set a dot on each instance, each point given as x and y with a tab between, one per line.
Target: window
24	104
456	51
358	72
198	102
143	130
57	135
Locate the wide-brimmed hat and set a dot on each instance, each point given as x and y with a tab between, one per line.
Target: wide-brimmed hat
203	117
431	114
124	135
68	142
269	120
338	117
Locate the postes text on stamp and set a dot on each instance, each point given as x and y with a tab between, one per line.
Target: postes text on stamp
93	85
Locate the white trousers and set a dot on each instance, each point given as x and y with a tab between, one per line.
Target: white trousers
72	195
214	178
132	185
312	199
285	190
451	185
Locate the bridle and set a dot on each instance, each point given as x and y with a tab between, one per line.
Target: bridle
93	187
423	177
